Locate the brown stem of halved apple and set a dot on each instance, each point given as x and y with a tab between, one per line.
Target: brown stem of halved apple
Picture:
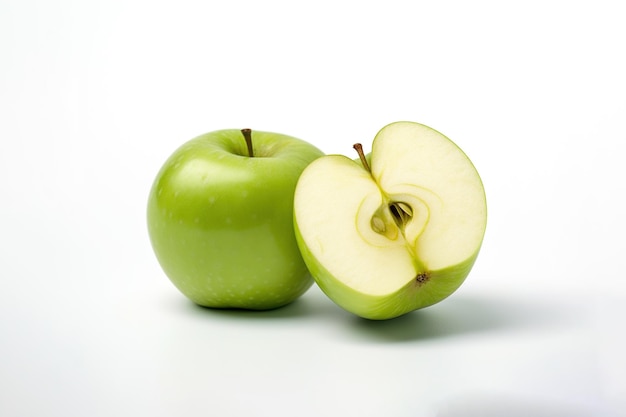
247	135
359	149
400	211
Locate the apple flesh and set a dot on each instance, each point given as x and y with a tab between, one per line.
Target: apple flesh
396	237
221	221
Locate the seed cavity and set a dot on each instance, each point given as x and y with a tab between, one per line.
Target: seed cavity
401	213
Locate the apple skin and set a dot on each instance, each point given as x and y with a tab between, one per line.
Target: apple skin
220	222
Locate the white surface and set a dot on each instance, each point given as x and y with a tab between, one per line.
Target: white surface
95	95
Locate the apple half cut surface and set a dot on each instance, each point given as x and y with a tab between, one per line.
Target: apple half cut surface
396	234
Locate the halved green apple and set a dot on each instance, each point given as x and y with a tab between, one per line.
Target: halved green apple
396	237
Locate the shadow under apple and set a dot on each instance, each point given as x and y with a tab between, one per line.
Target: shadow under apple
459	315
463	315
302	307
313	305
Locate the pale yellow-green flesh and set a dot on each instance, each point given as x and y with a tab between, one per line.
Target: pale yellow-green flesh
358	254
337	225
409	297
411	153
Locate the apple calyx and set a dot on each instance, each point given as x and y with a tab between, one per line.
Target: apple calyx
247	135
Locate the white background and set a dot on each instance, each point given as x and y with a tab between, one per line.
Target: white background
94	96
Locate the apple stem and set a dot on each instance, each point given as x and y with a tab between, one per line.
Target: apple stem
247	135
359	150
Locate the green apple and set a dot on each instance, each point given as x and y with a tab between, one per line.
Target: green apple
396	237
220	219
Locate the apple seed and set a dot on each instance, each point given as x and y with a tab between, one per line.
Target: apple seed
378	225
401	213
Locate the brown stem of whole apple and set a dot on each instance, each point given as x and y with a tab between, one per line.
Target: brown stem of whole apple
247	135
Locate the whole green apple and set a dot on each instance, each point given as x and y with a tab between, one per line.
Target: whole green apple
220	219
397	230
